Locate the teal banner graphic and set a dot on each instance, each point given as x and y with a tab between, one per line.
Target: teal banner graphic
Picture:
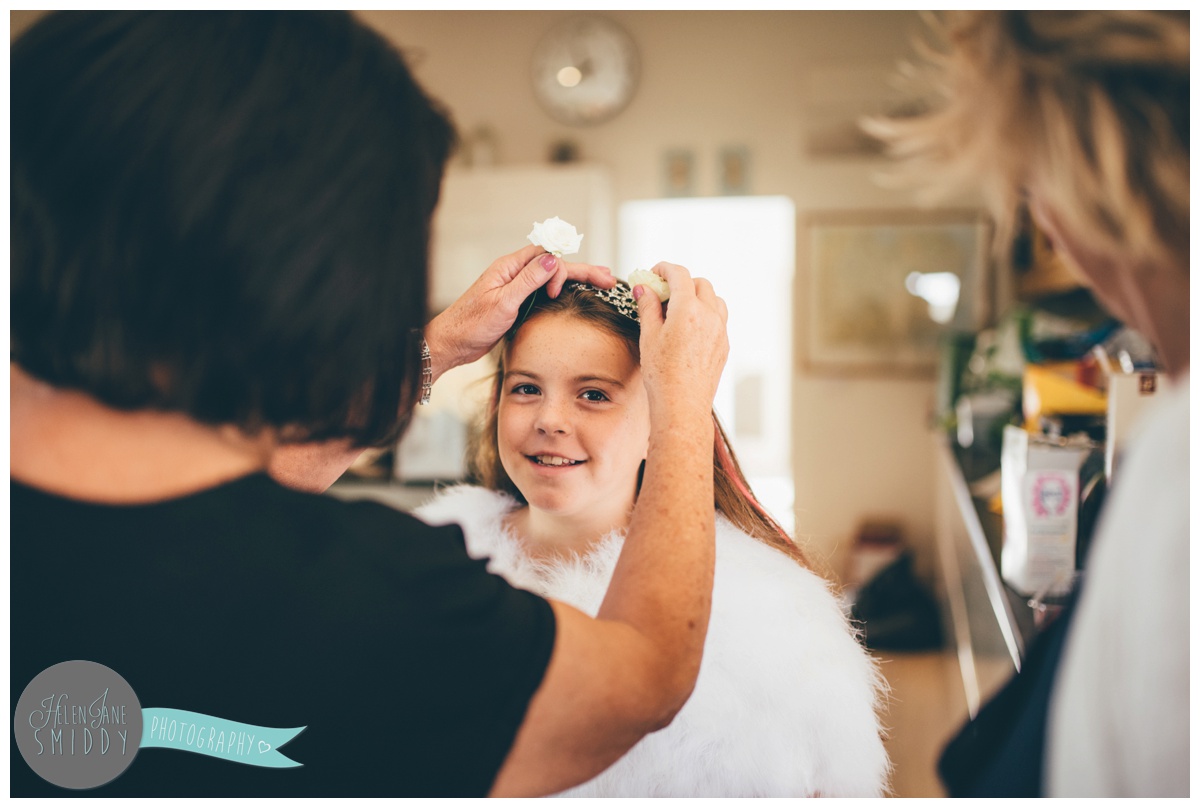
167	728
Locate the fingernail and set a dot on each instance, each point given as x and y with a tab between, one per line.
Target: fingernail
548	263
637	292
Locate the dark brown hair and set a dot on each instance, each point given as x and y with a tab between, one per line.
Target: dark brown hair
224	214
731	493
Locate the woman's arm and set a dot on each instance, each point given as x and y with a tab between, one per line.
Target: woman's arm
613	679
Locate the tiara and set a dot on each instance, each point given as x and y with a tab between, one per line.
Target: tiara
620	297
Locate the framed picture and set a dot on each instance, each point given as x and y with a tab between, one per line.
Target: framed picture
679	173
734	173
882	287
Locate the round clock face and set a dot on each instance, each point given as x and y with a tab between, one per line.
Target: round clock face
585	70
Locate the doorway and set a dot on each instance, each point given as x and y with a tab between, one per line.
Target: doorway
746	246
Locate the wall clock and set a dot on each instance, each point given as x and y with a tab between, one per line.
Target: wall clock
585	70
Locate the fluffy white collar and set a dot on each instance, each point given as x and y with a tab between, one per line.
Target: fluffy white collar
786	701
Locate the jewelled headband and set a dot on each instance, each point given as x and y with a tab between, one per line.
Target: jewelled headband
620	297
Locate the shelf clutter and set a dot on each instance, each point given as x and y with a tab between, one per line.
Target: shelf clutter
1036	410
1032	415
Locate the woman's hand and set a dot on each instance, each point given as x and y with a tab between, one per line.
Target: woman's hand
476	321
683	348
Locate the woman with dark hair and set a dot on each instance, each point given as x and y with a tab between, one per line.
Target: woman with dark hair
220	225
785	701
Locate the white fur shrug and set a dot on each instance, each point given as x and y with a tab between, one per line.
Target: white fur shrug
786	701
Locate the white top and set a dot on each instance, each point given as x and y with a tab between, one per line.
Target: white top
785	704
1120	709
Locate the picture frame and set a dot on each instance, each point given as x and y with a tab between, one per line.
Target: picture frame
876	285
679	173
734	171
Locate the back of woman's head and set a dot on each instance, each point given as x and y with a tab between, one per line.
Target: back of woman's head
223	214
1090	108
612	312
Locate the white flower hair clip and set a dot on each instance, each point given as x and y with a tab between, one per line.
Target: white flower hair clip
556	236
651	280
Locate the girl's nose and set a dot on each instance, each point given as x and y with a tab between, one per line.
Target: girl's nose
552	420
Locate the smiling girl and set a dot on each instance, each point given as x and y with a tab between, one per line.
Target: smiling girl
786	698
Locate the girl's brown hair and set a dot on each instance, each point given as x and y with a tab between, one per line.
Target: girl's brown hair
731	493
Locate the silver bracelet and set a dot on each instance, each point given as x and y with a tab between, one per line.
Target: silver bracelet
426	373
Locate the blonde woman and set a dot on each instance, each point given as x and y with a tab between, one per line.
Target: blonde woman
785	701
1086	116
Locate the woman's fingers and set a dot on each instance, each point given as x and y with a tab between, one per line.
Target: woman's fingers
531	277
678	279
513	263
598	276
683	284
685	350
563	271
708	296
480	316
650	312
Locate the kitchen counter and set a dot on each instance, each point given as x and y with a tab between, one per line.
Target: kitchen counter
992	623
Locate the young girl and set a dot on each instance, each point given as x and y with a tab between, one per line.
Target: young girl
786	698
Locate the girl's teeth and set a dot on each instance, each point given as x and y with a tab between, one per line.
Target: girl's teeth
547	460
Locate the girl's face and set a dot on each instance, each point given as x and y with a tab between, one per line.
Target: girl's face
574	422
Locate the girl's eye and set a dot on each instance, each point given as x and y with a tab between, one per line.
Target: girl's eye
594	395
525	390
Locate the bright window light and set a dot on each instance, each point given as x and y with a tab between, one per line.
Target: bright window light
940	291
746	246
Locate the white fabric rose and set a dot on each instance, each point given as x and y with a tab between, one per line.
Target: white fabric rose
651	280
556	236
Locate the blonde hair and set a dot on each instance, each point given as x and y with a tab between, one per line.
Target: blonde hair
1091	108
731	493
